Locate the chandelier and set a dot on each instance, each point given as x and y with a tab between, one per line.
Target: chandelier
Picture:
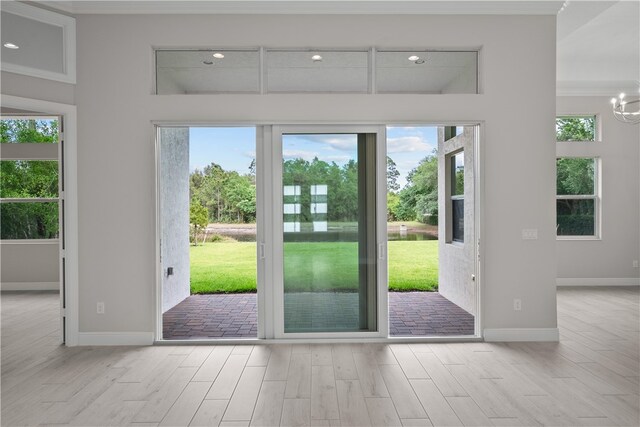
626	111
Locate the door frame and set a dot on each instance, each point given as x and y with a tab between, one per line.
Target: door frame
274	205
68	240
265	174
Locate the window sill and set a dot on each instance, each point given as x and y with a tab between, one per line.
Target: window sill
30	242
578	238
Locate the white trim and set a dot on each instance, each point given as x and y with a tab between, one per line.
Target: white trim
437	7
68	25
115	338
595	281
595	88
30	286
522	334
69	117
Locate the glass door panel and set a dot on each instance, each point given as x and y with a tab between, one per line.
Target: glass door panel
329	243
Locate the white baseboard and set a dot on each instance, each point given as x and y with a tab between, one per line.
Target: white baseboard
30	286
623	281
115	338
521	334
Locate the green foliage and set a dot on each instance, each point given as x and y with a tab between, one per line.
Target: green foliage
231	267
575	128
25	179
392	176
342	183
29	178
197	219
29	220
419	198
575	176
227	196
35	131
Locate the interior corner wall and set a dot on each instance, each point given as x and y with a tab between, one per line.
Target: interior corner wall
174	213
611	256
116	166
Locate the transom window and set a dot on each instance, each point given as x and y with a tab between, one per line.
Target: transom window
575	128
366	70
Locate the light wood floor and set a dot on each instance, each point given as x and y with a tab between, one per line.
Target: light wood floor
590	378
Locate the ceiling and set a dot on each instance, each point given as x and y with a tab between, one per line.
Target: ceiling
598	49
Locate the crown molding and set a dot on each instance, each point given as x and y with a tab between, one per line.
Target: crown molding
289	7
596	88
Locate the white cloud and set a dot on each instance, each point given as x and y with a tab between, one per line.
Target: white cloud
409	144
347	142
249	154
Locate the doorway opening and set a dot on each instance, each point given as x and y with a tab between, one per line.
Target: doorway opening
208	216
430	231
32	210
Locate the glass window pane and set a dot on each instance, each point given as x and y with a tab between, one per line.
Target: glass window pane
576	128
426	72
317	71
41	44
40	130
575	176
575	217
329	232
28	178
29	220
457	174
457	208
207	71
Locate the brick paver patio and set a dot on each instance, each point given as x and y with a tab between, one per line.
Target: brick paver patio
235	315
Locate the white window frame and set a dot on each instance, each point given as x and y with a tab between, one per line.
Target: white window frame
595	197
26	151
68	25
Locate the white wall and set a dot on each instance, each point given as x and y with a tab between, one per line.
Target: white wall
36	88
612	256
20	272
116	139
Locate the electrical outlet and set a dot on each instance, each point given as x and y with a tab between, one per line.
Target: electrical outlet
100	308
517	304
529	234
635	263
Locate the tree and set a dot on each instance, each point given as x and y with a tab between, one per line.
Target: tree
392	176
197	219
419	197
575	128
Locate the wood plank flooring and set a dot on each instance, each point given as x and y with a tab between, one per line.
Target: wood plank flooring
592	377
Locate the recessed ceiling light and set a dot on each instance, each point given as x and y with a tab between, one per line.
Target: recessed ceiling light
419	61
207	62
414	58
218	55
11	46
316	58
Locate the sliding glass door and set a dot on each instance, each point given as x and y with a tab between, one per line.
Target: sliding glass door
327	231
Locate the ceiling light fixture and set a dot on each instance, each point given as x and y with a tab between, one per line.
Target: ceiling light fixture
414	58
218	55
316	58
11	46
626	111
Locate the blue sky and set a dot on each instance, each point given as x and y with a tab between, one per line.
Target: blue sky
234	148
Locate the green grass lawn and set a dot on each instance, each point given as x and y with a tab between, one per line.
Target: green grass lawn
231	266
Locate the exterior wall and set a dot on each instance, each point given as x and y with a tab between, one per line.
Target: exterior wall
611	256
174	199
20	272
116	140
456	260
